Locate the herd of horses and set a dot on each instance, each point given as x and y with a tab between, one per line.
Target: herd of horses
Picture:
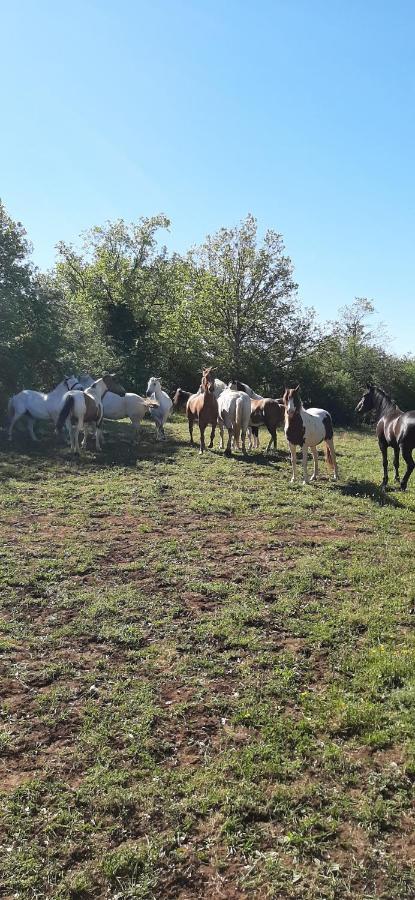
81	404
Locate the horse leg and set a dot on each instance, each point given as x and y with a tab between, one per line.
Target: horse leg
29	421
384	451
136	425
330	445
410	466
305	458
190	420
98	437
79	426
315	458
396	452
243	438
228	449
221	436
202	446
293	453
75	438
273	439
212	435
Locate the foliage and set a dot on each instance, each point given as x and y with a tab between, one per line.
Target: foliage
29	314
120	301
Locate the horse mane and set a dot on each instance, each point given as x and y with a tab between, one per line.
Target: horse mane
385	399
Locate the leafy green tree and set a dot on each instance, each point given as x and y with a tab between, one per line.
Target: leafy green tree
30	328
246	300
112	289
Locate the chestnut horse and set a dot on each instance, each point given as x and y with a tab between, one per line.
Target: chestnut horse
394	428
264	411
204	407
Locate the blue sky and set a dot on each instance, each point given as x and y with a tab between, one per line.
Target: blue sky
300	111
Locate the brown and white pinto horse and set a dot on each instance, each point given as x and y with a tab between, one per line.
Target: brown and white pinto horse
84	408
204	407
264	411
306	429
394	428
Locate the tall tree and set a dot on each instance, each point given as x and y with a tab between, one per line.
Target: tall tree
246	295
29	318
112	287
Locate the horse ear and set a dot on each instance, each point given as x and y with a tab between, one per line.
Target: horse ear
370	385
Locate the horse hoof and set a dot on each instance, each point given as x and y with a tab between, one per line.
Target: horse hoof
403	487
306	481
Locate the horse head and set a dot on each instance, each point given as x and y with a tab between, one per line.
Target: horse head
154	384
292	400
368	399
70	382
179	398
208	380
113	385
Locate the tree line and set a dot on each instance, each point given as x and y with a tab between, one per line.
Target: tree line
121	302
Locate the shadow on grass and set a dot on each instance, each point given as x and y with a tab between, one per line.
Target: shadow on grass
259	459
27	461
371	492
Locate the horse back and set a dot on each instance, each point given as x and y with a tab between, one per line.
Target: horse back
398	428
194	403
320	423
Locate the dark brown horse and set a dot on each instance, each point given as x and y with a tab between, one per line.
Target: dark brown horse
180	398
264	411
394	428
204	407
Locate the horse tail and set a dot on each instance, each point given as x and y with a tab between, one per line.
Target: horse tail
65	411
152	404
329	457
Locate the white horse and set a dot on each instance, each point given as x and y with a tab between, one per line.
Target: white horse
234	414
307	429
220	386
83	408
36	405
161	412
253	437
131	406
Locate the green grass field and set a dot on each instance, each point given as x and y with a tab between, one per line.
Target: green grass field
208	674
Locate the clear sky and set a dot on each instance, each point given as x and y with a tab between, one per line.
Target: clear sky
300	111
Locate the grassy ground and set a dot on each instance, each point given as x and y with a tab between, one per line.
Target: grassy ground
208	675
